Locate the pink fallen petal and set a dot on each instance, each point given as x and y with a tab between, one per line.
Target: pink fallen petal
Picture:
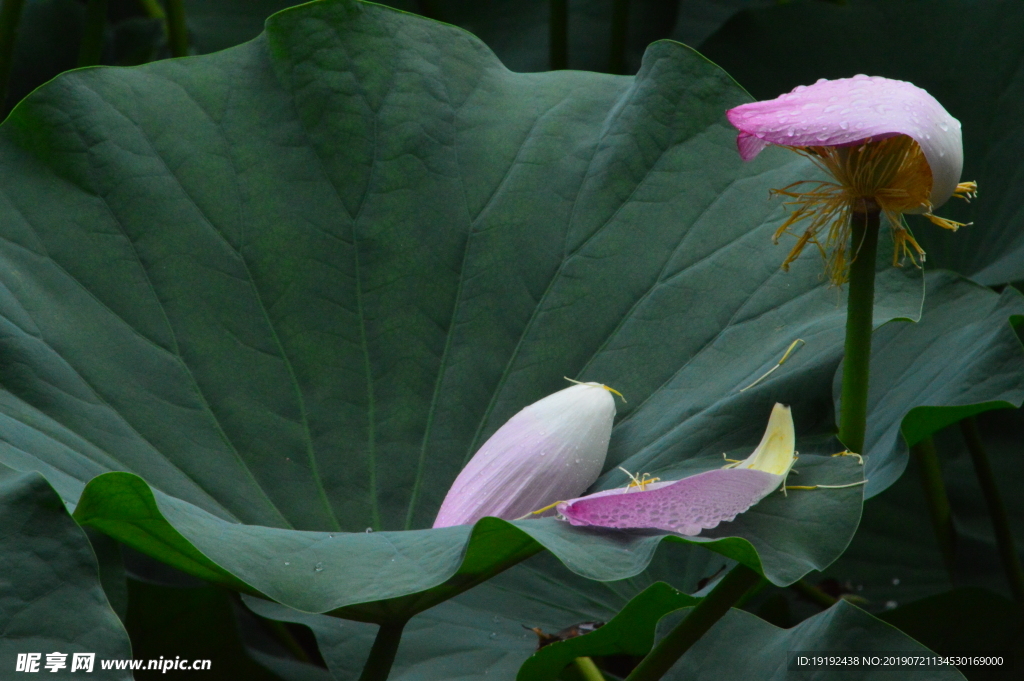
687	506
700	501
849	110
553	449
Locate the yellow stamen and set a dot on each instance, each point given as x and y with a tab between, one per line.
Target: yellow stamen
810	487
598	385
789	351
540	510
640	482
966	191
890	175
847	452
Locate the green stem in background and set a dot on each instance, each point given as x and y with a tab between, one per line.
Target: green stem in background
703	616
153	9
813	594
937	500
284	636
620	29
177	31
588	670
382	654
10	15
558	36
91	49
853	406
996	509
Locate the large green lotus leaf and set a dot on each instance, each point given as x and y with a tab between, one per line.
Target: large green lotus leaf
464	639
961	359
965	53
51	599
783	536
745	648
483	633
283	292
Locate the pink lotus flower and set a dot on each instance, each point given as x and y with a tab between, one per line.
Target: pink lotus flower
888	145
553	449
699	502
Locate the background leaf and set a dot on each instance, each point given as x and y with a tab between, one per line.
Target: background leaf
51	599
741	646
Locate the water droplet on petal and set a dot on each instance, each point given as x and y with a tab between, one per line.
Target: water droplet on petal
844	125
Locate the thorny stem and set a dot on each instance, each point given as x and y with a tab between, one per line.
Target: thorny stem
382	654
937	500
996	509
853	408
711	609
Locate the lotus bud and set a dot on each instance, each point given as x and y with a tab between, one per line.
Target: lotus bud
698	502
551	450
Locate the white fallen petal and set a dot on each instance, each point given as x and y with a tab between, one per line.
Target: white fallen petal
551	450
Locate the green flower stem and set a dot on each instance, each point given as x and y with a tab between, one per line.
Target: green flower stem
853	407
558	35
177	30
996	509
588	670
937	500
91	49
711	609
382	654
10	15
620	29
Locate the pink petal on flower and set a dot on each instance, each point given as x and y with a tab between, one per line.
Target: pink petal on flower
553	449
749	145
687	506
849	110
